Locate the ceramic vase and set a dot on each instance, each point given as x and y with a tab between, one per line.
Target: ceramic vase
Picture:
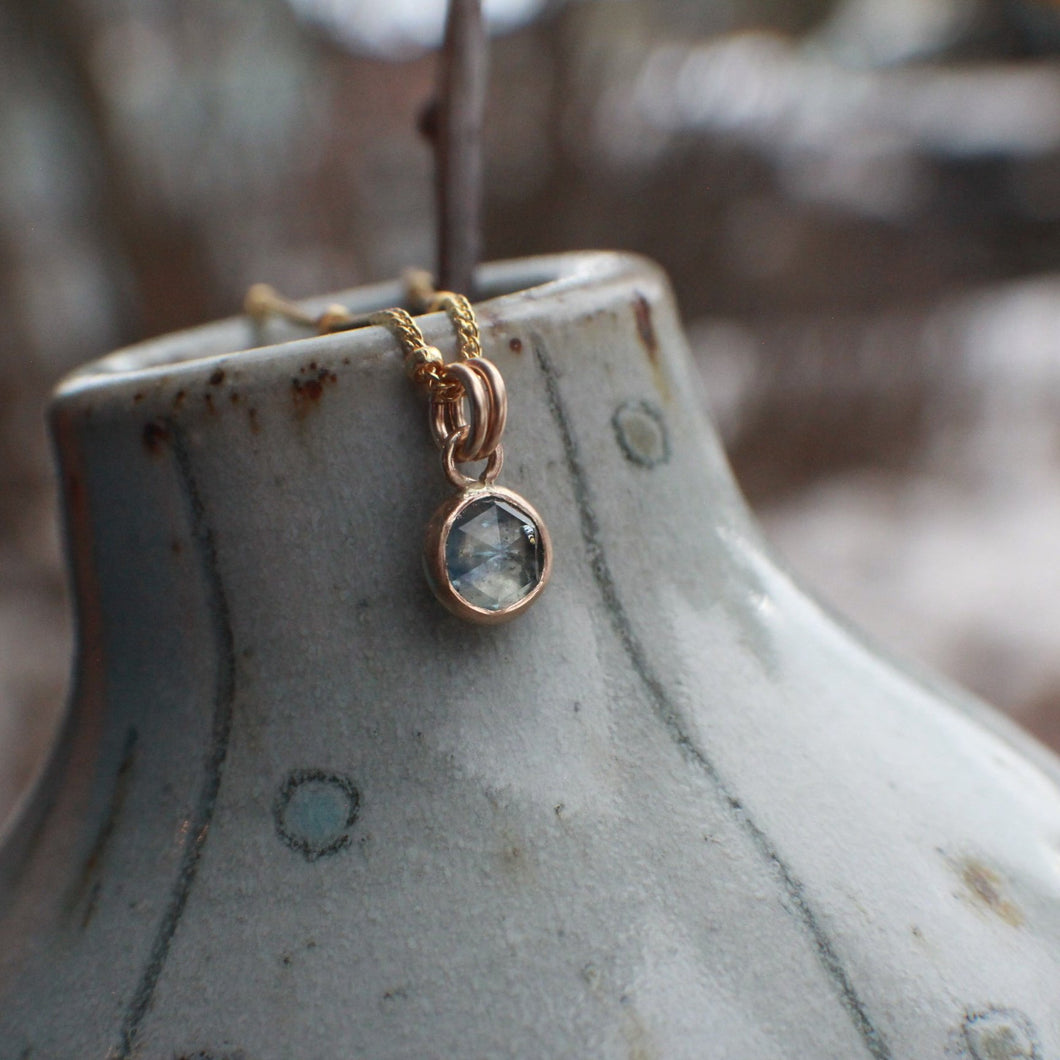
300	812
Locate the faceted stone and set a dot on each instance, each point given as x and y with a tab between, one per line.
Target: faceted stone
493	555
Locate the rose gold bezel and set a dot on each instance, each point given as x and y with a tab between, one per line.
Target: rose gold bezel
434	555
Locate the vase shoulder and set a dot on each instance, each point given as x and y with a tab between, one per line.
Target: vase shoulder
674	809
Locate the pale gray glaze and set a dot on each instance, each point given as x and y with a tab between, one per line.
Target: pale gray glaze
673	811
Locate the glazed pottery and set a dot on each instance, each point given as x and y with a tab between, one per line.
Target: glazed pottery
675	810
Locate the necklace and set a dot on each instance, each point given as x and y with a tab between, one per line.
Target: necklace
487	552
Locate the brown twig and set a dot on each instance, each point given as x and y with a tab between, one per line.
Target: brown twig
455	128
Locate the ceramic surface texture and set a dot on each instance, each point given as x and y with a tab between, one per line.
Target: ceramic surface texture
675	810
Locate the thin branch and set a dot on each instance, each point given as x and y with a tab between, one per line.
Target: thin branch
457	137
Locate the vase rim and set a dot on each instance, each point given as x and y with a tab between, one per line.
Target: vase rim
503	287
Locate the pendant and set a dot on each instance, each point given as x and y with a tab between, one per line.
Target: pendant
487	554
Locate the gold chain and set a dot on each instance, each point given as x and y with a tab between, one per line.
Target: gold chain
467	416
423	363
462	317
422	294
465	435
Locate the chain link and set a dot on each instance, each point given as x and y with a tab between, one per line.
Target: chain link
424	364
462	317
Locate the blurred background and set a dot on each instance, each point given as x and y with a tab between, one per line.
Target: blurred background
858	202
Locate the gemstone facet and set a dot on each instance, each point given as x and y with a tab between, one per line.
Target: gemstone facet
487	554
494	554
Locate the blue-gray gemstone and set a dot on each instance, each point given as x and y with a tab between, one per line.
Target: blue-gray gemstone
493	555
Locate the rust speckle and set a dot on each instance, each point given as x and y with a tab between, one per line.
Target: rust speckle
645	327
987	889
234	397
178	399
1000	1034
307	392
155	436
309	389
638	1039
176	547
208	398
516	861
647	336
218	377
255	426
515	345
137	398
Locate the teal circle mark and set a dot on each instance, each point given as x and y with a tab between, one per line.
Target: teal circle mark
314	811
641	433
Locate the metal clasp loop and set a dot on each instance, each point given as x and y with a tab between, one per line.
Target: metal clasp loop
449	461
480	410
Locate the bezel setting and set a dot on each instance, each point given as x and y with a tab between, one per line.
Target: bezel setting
437	568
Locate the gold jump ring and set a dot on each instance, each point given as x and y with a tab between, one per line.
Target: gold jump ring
486	411
490	472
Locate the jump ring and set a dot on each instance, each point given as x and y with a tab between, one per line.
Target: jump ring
447	417
498	393
486	413
449	460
